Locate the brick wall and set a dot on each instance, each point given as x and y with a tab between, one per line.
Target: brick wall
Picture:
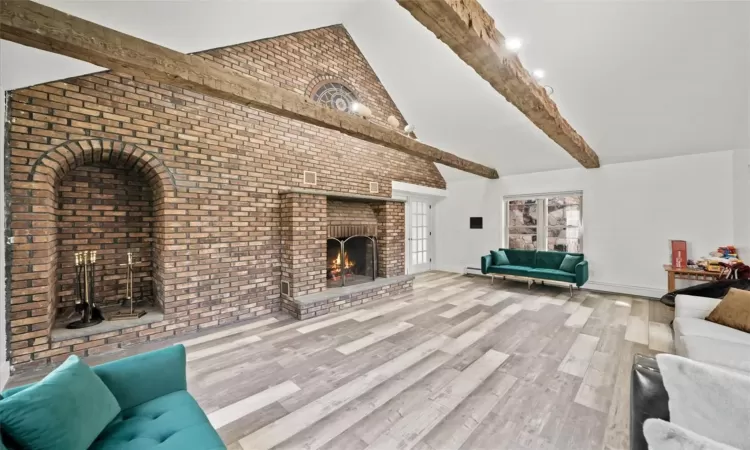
391	238
106	209
351	218
215	170
303	243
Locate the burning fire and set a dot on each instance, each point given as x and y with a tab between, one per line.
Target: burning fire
336	265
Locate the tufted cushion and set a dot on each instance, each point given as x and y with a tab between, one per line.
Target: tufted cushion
548	260
174	421
570	262
520	257
499	258
65	411
553	274
519	271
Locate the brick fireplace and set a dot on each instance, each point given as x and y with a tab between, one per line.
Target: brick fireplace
210	196
352	245
311	220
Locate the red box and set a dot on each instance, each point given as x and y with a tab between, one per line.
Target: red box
679	254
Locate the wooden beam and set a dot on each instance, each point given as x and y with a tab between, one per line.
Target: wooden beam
35	25
470	32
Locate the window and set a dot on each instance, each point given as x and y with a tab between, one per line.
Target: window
334	95
551	222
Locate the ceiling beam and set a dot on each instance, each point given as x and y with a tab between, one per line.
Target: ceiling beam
470	32
35	25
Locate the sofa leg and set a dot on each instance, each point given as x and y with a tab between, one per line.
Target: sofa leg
571	289
542	282
529	284
492	277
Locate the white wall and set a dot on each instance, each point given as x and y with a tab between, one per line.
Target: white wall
457	246
741	205
630	211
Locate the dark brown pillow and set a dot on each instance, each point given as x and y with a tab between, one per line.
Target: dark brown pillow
733	311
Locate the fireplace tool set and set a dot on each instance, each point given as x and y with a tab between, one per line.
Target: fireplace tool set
85	305
132	314
84	291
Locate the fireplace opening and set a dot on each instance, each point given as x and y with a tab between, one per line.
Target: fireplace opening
350	261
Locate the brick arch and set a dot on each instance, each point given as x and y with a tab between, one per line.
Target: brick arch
56	162
34	255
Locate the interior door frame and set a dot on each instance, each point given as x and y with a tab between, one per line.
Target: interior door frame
430	228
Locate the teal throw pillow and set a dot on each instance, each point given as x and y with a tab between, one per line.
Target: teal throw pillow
499	258
569	263
67	410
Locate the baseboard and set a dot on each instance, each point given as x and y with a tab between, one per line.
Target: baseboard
591	285
624	289
453	269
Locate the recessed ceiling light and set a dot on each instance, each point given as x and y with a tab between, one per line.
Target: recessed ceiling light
538	74
513	44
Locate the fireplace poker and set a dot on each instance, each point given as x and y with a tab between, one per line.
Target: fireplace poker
132	314
85	263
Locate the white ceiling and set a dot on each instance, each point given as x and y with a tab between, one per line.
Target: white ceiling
637	79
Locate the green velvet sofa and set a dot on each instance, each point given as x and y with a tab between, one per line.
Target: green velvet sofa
538	265
157	411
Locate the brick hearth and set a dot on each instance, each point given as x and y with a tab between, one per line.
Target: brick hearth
200	188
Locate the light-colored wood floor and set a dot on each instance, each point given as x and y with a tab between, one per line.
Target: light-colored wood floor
456	364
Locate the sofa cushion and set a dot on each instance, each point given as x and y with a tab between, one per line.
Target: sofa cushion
553	274
733	310
712	343
549	260
520	257
140	378
570	262
174	421
686	326
731	355
65	411
499	258
521	271
694	306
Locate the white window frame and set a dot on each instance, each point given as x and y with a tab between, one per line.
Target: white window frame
542	225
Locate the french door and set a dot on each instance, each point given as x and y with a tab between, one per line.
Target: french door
419	246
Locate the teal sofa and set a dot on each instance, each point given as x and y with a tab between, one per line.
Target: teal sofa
538	265
157	411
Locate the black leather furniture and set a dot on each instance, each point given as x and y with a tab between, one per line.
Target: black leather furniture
714	289
648	398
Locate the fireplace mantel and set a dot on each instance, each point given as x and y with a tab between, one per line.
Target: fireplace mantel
342	196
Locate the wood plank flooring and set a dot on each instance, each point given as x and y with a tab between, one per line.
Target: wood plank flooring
458	363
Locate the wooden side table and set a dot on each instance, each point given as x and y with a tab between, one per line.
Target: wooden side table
687	274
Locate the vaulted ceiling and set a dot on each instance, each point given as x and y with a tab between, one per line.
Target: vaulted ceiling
638	80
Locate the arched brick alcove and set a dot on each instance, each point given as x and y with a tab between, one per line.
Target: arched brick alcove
35	223
108	209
